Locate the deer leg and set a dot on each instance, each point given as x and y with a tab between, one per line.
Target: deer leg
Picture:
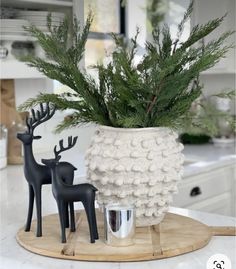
30	208
37	192
61	207
66	215
72	217
88	209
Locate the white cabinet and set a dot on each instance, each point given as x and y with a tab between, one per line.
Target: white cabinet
212	191
11	68
28	82
220	204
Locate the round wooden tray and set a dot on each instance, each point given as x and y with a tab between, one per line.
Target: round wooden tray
174	236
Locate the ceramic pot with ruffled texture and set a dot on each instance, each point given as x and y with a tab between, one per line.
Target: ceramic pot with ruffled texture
139	166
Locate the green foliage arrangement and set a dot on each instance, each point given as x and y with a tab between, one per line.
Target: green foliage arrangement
205	120
156	92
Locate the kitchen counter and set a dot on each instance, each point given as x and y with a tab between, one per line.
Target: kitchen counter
203	158
13	208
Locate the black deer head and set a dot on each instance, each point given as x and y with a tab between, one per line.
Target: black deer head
37	117
53	162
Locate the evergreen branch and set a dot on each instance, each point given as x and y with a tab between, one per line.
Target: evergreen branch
200	31
134	45
71	121
230	94
166	41
186	16
57	100
157	92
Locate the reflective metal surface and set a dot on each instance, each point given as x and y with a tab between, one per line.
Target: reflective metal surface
119	225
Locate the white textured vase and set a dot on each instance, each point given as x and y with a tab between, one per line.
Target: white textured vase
136	166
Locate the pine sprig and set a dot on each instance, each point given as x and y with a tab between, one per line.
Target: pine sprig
156	92
200	31
230	95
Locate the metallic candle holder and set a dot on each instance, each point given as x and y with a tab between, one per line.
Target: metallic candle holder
119	225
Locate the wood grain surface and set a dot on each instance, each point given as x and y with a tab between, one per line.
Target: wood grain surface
174	236
8	115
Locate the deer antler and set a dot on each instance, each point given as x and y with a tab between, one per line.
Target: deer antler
71	143
39	116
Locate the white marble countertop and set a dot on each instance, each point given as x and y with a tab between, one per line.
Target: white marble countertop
202	158
13	209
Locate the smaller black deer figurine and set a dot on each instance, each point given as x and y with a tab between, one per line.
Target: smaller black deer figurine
37	174
64	193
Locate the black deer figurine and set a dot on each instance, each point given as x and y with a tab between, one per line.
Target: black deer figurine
64	193
37	174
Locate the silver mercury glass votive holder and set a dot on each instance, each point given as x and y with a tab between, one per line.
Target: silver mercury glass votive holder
119	225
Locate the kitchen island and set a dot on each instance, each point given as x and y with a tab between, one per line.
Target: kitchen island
209	180
14	195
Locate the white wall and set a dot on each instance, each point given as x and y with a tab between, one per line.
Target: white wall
136	17
224	73
27	88
205	10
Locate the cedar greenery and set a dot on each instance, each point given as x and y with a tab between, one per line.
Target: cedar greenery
157	92
205	120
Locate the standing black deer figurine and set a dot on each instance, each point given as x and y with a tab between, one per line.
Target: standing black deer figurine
37	174
63	193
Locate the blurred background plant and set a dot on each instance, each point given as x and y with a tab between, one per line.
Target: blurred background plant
210	118
156	10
